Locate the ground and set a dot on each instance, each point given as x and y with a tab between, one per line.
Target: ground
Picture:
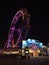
32	61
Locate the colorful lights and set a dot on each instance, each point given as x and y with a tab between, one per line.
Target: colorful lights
32	43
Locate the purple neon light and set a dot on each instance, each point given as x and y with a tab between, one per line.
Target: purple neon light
12	28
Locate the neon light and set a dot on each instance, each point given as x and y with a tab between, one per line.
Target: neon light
24	15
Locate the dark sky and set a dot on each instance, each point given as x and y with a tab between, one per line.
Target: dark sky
39	19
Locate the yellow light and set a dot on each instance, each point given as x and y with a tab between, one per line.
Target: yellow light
30	51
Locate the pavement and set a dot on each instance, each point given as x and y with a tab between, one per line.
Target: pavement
21	61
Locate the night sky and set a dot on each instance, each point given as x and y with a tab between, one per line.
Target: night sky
39	19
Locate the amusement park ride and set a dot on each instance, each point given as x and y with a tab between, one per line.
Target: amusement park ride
22	32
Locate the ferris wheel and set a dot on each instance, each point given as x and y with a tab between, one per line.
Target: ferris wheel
22	32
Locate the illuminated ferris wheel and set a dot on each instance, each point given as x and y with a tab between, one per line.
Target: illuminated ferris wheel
21	32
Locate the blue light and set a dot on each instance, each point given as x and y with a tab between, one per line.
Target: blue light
29	41
33	41
24	44
40	45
